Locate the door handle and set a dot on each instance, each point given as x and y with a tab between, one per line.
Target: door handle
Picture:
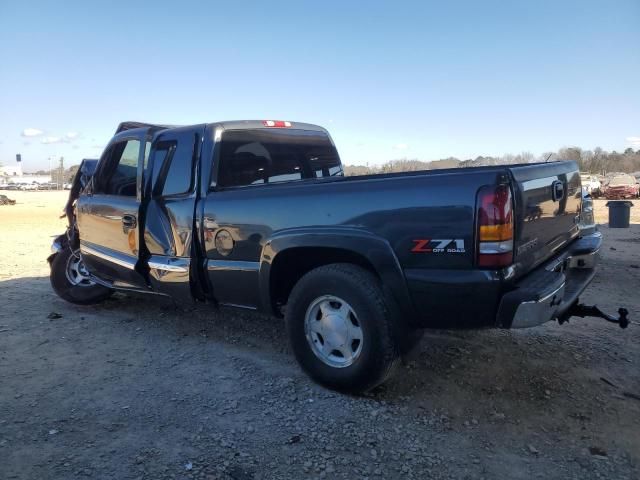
129	221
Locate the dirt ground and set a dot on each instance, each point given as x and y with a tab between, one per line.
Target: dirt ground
140	388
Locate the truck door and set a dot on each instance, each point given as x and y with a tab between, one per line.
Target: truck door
108	214
169	208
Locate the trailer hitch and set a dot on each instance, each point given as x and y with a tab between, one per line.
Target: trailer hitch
581	310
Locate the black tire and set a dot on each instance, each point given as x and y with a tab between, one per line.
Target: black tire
381	347
74	293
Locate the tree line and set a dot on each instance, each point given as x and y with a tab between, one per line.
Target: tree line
596	161
60	174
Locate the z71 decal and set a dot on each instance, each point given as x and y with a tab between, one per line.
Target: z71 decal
438	245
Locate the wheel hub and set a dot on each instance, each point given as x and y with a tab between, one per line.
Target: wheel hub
333	331
76	272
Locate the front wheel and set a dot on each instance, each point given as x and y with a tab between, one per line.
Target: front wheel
343	330
71	281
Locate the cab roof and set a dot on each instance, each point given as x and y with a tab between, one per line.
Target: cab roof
227	125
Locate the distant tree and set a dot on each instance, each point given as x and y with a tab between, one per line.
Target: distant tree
70	173
527	157
570	153
594	161
547	157
508	159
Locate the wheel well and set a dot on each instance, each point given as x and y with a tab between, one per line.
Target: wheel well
290	265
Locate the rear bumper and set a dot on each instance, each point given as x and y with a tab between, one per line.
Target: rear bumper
552	289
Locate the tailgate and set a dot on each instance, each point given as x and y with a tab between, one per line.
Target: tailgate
547	204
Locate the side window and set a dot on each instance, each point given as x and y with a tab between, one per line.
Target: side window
178	178
147	148
172	168
161	152
120	176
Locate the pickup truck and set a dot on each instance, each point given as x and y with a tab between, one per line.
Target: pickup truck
258	215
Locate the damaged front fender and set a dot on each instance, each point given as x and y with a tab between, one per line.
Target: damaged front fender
59	243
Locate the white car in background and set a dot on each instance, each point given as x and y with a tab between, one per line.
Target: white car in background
591	183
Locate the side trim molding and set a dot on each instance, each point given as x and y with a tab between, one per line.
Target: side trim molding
168	267
84	248
234	265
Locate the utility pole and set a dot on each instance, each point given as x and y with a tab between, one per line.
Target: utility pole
60	174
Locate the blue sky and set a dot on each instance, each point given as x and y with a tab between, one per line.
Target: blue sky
423	79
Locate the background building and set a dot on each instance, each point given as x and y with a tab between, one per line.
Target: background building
13	174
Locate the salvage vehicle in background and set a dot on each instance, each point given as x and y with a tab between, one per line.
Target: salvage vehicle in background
621	186
591	184
4	200
258	215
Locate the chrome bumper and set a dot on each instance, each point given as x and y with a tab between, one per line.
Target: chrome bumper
533	313
550	291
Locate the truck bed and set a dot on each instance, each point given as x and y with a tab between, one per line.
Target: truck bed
401	208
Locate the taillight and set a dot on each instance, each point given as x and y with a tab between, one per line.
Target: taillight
276	123
495	226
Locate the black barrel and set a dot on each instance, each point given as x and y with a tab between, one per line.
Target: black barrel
619	213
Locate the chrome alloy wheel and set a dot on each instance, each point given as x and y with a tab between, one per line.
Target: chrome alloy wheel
76	272
333	331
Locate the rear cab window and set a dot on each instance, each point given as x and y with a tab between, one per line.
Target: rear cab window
264	156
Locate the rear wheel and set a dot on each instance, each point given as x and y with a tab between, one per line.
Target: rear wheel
343	330
71	281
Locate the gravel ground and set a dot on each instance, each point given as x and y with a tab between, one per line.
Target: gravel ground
141	388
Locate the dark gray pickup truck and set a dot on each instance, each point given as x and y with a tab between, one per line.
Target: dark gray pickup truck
258	214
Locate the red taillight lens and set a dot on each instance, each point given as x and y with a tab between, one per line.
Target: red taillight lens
276	123
495	226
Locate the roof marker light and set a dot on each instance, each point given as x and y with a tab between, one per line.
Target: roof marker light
276	123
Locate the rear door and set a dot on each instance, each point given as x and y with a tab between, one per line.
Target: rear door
169	208
108	215
236	223
547	202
